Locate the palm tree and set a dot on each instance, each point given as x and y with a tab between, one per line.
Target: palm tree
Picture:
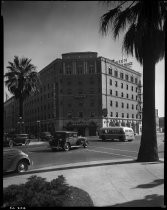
145	37
22	80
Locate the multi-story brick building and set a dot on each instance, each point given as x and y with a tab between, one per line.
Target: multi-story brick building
84	92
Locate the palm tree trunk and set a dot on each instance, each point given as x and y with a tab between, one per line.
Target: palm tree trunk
21	107
148	151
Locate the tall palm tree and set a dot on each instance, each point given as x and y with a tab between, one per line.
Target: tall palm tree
22	80
145	37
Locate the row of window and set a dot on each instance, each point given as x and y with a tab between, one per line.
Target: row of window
125	116
41	117
79	70
80	114
122	86
40	98
92	114
48	86
127	105
122	95
122	76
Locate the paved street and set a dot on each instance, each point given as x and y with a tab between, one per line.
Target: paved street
97	150
106	170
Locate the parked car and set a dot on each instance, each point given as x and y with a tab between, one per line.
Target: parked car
17	139
46	136
66	140
15	160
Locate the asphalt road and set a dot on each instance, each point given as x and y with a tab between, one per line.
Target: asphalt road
42	156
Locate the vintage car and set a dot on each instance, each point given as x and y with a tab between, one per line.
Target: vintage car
17	139
15	160
66	140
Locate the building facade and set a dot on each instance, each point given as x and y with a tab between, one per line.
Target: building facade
84	92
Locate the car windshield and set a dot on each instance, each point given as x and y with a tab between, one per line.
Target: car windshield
46	133
60	135
21	135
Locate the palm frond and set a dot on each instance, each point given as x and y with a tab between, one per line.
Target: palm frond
107	19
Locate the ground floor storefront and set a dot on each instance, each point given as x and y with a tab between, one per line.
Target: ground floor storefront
88	127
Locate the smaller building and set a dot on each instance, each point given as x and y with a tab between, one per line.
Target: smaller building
161	124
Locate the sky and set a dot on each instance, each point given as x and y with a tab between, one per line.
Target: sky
44	30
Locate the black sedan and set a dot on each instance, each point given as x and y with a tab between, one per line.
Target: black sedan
66	140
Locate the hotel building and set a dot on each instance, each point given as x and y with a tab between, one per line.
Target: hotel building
81	92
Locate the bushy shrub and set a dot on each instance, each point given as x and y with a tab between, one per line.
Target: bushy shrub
37	192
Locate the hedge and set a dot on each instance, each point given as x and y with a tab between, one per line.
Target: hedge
37	192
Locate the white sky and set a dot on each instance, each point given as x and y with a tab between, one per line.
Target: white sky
43	30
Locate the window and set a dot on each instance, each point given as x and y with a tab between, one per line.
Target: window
92	114
132	115
80	69
136	98
136	80
121	75
110	92
91	69
132	106
48	86
116	93
69	91
110	71
132	96
127	115
122	115
116	114
136	89
127	87
127	95
122	94
127	106
80	91
116	73
111	114
116	84
131	78
116	103
110	81
136	116
110	103
68	70
132	88
48	95
122	85
126	77
81	114
122	105
69	115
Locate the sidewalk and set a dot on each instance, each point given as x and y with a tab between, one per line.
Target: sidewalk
116	182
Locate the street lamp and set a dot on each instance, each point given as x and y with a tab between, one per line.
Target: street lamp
38	124
20	124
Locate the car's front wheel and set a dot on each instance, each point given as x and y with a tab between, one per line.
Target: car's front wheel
11	143
66	147
85	144
22	166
